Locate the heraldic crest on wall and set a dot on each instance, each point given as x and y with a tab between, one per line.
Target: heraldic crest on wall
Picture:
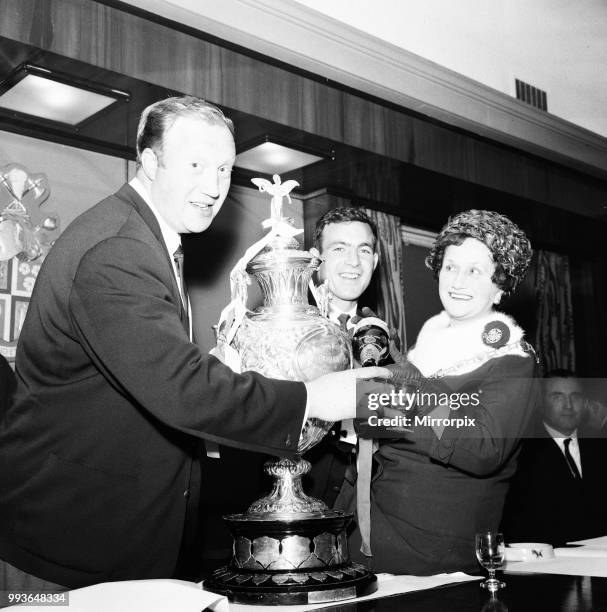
26	235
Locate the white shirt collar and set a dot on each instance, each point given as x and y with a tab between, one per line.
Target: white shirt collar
557	435
171	238
574	449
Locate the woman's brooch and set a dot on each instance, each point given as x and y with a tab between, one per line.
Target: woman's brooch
496	334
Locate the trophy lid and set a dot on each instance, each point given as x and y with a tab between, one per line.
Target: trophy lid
283	249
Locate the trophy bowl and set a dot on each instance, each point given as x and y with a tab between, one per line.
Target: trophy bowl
289	548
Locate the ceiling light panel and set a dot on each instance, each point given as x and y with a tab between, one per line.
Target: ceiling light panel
271	158
41	97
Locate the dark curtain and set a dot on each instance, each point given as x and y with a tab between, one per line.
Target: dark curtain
554	339
589	296
389	272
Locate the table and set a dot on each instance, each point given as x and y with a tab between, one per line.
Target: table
523	593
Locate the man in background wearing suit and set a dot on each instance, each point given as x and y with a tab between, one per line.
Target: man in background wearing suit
346	240
556	493
100	467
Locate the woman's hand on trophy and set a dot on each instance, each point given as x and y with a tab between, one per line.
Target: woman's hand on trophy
405	374
332	397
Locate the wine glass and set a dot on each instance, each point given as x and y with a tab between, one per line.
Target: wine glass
490	550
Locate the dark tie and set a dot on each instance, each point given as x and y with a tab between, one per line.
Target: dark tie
178	258
570	460
343	319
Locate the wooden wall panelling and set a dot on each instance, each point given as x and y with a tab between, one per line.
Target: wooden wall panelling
364	125
321	109
534	179
314	207
438	149
107	37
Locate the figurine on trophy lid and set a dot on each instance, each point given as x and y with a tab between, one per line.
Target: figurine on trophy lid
288	548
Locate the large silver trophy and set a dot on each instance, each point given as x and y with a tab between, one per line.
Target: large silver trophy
288	548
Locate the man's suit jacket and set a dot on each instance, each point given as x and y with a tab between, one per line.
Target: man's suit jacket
100	454
8	384
546	503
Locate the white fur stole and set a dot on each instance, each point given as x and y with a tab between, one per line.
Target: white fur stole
443	349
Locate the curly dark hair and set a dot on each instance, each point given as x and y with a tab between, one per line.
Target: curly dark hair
509	246
343	214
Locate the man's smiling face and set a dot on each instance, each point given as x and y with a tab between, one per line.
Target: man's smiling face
190	176
349	259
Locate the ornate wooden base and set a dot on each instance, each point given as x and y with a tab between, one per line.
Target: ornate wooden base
300	561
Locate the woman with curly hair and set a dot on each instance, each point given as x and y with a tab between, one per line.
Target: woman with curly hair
446	477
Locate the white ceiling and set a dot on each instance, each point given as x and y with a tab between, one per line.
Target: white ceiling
559	46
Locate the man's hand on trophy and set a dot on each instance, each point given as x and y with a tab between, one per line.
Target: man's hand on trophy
227	355
332	397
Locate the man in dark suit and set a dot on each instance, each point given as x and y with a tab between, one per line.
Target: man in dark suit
8	384
556	494
100	467
345	239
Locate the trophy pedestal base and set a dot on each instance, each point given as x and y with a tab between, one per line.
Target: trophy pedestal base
226	582
296	561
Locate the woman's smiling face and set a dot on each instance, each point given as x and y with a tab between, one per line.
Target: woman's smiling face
464	282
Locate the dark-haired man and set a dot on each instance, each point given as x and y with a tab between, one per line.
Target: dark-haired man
556	494
345	239
100	455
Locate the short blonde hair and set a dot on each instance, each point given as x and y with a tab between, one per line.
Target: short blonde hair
157	118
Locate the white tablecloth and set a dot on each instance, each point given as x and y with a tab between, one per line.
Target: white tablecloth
180	596
589	558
